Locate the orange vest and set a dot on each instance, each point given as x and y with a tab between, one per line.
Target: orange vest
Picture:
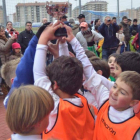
107	130
72	122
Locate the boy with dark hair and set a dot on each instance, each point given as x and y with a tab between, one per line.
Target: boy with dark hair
116	119
134	26
63	80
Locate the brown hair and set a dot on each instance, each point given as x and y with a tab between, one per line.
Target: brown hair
8	70
102	65
26	107
132	79
89	53
67	72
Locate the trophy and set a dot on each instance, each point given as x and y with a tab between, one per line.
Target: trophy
57	10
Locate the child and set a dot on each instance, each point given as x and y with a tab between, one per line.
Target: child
111	61
116	119
16	51
120	36
132	48
8	71
28	112
71	117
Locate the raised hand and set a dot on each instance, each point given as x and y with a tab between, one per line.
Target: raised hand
54	48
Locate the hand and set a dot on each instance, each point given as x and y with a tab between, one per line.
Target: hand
69	33
71	54
48	33
54	48
14	36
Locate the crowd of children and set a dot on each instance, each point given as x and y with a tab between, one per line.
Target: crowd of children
81	97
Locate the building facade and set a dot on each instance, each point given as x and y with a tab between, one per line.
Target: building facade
92	5
34	12
1	16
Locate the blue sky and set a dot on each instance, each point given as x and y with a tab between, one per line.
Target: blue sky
112	4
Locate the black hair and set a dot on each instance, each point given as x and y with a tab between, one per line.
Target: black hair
28	22
67	72
96	20
134	32
96	28
129	61
124	17
114	18
135	20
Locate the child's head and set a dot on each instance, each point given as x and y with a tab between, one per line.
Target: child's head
89	53
126	91
100	66
16	48
127	61
120	27
134	32
66	75
8	71
111	62
28	110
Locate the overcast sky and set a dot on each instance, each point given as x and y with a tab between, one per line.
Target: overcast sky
112	4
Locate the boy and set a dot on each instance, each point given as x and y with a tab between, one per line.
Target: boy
63	80
116	119
32	117
132	47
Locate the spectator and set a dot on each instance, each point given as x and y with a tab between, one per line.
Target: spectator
10	30
44	20
129	22
126	30
25	36
114	20
75	27
97	22
81	18
87	37
132	47
63	18
134	26
108	31
139	33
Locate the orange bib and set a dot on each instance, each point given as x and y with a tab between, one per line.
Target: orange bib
72	122
107	130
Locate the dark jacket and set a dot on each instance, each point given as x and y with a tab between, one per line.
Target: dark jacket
126	31
109	34
139	33
133	27
24	38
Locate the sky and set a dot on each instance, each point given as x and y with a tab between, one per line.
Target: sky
112	4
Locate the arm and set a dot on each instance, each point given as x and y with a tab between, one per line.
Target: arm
7	45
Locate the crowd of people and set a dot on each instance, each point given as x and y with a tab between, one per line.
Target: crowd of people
82	86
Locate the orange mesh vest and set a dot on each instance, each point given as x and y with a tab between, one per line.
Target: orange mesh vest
72	122
107	130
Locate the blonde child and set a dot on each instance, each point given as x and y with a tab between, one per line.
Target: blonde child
28	112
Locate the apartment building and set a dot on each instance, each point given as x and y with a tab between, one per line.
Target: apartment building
92	5
1	16
34	12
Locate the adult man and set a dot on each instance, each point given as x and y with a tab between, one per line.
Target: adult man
134	26
126	30
114	20
87	37
129	22
44	20
81	19
25	36
108	31
63	18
